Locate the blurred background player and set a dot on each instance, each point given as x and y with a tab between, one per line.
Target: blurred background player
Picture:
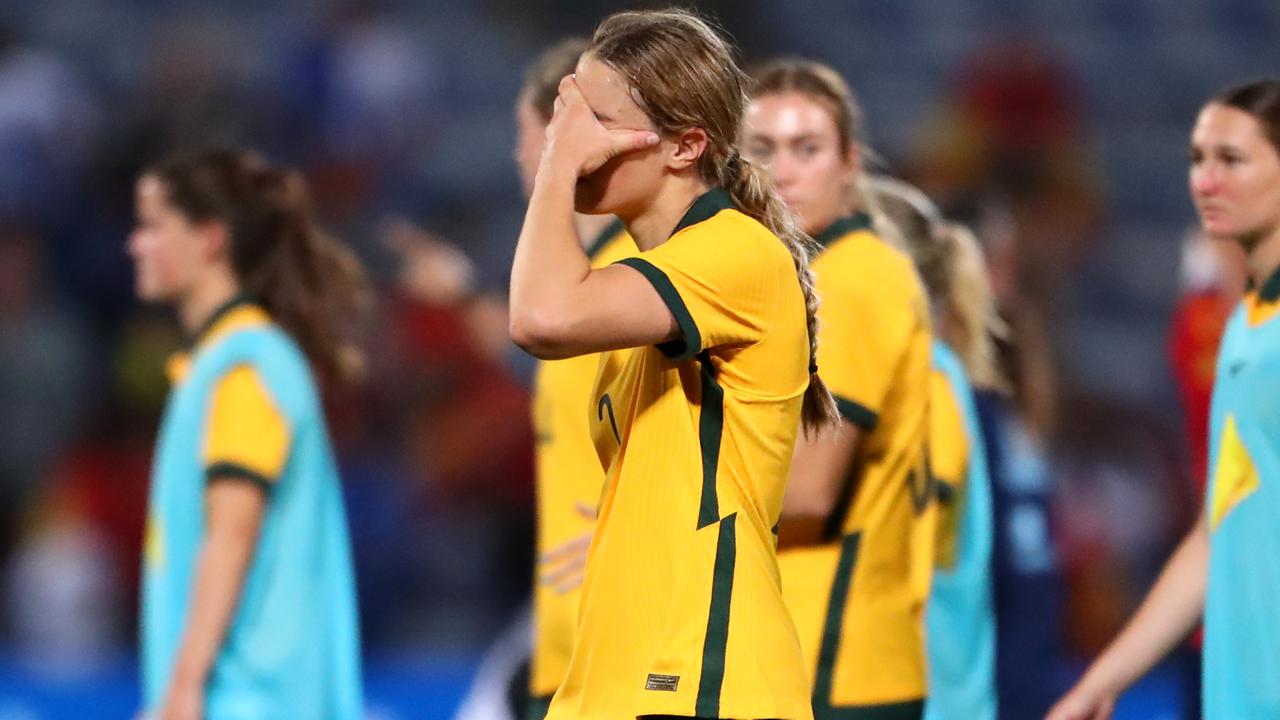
1225	569
681	599
569	476
960	620
568	471
249	605
1213	279
856	529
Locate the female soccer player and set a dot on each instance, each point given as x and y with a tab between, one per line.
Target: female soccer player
681	612
960	620
1225	571
248	606
569	476
856	518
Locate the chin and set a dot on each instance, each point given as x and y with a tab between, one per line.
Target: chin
1219	230
590	196
151	293
587	204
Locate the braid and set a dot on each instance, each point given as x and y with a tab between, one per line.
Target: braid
752	192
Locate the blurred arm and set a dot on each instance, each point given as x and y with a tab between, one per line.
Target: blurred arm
1169	612
234	511
560	307
819	469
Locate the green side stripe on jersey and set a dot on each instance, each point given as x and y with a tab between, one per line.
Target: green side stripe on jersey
834	623
538	707
710	430
945	490
717	639
857	413
690	340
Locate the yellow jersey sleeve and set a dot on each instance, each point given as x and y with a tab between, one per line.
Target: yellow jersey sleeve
949	463
872	306
717	297
246	435
948	444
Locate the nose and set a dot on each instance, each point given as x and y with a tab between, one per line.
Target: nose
133	245
783	169
1205	180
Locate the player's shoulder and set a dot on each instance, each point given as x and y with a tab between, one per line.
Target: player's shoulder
863	250
267	349
735	241
863	267
614	248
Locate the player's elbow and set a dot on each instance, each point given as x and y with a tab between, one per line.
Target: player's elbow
541	332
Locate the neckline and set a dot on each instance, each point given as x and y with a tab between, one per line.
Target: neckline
704	208
844	226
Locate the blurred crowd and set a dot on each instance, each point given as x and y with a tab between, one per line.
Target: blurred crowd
400	116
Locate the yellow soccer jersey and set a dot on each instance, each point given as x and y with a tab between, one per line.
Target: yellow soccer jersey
247	436
568	474
858	601
949	462
682	613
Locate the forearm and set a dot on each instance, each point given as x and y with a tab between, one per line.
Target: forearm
1169	612
222	566
820	468
549	261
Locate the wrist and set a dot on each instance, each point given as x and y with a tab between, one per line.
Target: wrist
187	678
1098	683
557	168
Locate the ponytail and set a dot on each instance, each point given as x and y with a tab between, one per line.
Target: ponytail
953	271
753	194
312	285
970	323
683	74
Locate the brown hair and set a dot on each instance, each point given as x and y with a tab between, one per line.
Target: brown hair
309	283
1261	99
683	74
954	273
822	84
542	78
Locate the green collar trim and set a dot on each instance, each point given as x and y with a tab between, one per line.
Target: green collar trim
236	301
705	208
844	226
607	234
1270	290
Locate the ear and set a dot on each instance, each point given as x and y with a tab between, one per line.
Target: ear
689	146
215	238
853	158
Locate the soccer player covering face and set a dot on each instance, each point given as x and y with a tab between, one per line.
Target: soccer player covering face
1225	571
569	476
960	620
681	612
856	526
248	599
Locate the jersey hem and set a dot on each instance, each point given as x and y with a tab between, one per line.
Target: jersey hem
233	471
